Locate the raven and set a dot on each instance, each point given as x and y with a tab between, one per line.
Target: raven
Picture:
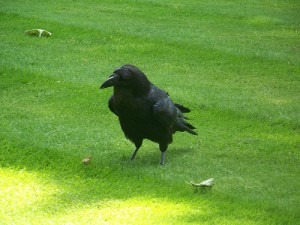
144	110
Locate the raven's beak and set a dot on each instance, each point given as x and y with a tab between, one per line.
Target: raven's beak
111	81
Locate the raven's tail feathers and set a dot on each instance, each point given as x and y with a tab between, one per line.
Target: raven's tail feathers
190	128
185	126
182	108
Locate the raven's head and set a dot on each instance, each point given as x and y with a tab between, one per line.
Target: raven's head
128	77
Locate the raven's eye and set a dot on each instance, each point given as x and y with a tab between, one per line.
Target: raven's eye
126	75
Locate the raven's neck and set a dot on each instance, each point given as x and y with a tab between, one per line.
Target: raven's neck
123	99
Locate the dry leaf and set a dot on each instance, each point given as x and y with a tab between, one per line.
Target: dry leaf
206	183
38	33
87	160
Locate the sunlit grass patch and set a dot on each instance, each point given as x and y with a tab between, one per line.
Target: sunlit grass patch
22	193
141	210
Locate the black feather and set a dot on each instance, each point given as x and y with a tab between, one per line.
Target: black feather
182	108
144	110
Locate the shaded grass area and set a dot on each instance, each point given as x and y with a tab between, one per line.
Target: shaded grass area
236	66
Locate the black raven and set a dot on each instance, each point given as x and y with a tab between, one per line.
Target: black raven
144	110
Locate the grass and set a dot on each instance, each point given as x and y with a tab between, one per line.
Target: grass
236	65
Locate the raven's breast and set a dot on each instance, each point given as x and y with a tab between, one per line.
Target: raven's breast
137	128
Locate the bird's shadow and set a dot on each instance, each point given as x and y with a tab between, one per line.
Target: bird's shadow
150	158
180	152
145	159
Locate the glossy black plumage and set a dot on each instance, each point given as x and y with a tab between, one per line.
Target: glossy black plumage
144	110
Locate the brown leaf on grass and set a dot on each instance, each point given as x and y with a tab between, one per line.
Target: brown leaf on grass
87	160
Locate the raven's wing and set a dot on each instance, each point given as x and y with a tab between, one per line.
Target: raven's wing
168	114
165	112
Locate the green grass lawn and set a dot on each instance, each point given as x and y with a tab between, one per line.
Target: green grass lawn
235	64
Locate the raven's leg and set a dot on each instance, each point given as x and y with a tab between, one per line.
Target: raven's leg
138	144
163	156
163	149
